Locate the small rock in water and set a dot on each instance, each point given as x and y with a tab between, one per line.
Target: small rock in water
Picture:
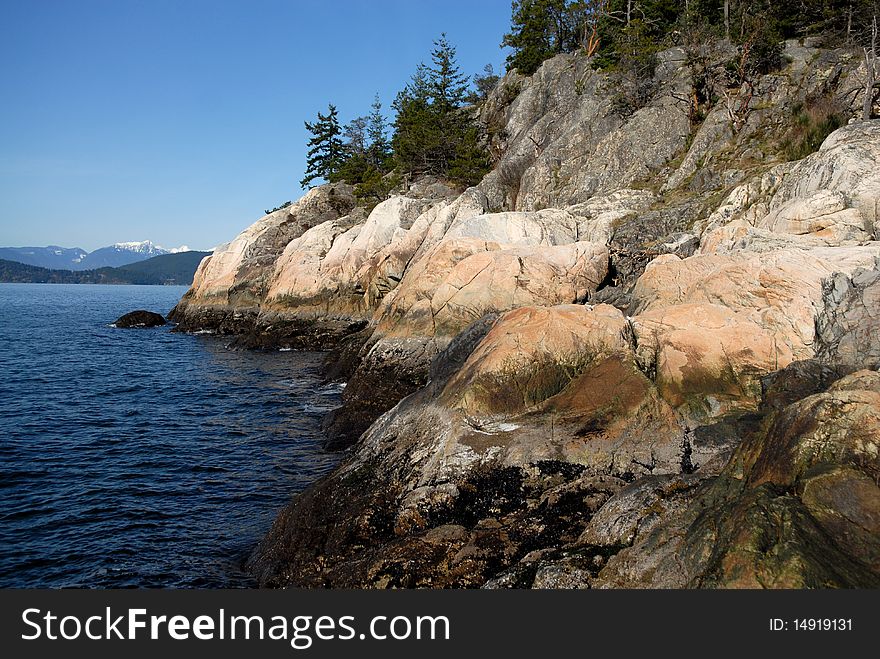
140	318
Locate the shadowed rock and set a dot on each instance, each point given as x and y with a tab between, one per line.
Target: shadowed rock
140	318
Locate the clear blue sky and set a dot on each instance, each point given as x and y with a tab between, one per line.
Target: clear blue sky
180	121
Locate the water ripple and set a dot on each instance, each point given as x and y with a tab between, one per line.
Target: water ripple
142	458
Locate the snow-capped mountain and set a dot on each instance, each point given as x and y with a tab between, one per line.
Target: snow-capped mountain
125	253
61	258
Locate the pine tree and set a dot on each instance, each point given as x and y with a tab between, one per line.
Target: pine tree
539	30
326	152
354	163
448	90
375	186
447	86
433	133
415	137
470	162
366	153
462	158
378	150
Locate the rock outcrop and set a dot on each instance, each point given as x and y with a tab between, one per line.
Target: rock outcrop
562	143
710	326
140	318
828	198
797	507
638	354
849	324
461	280
230	287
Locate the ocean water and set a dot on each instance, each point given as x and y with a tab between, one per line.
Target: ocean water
139	457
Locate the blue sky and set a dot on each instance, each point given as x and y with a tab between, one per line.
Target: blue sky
180	121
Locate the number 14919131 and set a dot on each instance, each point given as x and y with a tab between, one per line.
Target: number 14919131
812	624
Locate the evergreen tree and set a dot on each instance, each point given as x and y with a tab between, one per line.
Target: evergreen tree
378	150
326	152
539	30
433	134
415	138
447	86
354	165
447	90
375	186
366	154
470	161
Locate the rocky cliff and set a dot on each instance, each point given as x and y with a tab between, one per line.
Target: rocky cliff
641	352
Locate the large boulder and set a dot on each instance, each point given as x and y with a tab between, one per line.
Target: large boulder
384	269
847	163
740	236
825	214
307	276
319	272
460	280
599	216
140	318
706	359
710	326
532	355
387	222
454	284
571	367
545	227
237	273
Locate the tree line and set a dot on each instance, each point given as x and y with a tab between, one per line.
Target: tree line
433	132
609	29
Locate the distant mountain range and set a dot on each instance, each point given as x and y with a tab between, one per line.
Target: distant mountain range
176	268
63	258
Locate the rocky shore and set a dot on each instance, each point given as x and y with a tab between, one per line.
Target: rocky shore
642	352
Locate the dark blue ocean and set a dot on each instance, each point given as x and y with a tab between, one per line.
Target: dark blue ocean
142	458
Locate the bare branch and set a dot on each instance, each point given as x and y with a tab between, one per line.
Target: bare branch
870	73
